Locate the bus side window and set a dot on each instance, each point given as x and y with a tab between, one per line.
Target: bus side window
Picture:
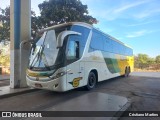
73	50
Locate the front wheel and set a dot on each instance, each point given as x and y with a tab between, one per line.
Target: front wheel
91	81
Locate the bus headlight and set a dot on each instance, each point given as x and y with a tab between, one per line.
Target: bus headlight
59	75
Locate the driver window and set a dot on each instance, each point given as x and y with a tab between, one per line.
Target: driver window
73	50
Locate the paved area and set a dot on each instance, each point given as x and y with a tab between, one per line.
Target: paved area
146	74
94	101
6	91
4	83
144	93
4	77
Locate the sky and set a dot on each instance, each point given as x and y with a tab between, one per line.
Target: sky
134	22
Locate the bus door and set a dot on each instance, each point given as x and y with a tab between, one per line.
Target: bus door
74	73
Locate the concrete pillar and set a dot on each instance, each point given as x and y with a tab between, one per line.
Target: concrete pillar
20	29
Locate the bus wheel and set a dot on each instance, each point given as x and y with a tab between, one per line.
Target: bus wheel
91	81
129	71
126	72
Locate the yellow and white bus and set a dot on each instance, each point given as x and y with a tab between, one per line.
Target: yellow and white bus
75	54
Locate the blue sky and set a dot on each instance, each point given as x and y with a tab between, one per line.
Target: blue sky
134	22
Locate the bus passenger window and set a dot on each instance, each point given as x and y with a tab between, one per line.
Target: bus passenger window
73	50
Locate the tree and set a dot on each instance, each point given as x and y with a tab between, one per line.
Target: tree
60	11
4	60
150	61
158	59
136	62
143	60
35	24
4	55
5	21
53	12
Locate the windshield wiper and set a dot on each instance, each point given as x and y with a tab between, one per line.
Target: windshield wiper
42	56
37	55
45	62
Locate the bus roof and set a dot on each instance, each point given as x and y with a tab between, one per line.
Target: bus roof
66	24
85	25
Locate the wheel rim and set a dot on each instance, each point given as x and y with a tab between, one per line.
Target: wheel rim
92	81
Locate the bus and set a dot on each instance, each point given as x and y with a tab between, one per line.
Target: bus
75	54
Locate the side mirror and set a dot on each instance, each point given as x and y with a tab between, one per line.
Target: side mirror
62	35
32	42
26	41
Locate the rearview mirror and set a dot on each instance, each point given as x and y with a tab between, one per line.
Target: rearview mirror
62	35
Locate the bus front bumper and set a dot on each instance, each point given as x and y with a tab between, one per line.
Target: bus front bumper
53	85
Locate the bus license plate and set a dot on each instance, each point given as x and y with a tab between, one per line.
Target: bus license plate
38	85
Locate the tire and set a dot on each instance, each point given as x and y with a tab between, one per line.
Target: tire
91	81
126	72
129	70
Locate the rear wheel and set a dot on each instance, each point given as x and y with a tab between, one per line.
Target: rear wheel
126	72
129	70
91	81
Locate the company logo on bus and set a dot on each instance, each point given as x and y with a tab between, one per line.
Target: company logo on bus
75	82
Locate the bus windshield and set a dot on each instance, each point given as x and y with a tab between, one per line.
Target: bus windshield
41	56
49	50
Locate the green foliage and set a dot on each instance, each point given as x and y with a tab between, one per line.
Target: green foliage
52	12
143	61
55	12
142	58
158	59
35	24
60	11
4	54
4	60
151	61
5	21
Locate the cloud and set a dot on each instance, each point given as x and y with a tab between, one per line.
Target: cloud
147	13
138	33
123	9
108	10
130	5
142	23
